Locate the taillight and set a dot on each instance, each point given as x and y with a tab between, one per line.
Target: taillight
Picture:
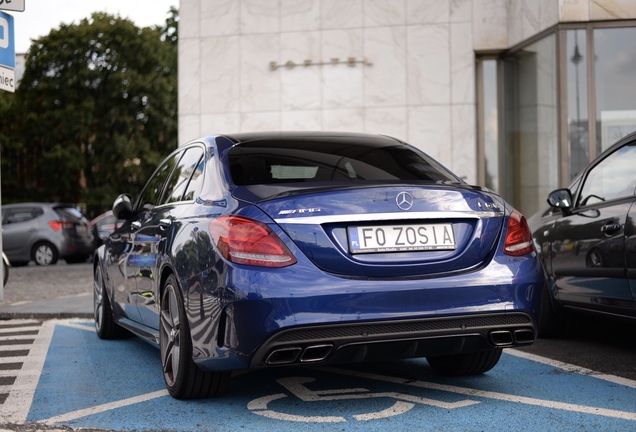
246	241
59	225
518	236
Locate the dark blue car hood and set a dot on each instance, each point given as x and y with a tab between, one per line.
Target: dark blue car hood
317	222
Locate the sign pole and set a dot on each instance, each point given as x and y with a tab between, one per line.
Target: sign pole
7	77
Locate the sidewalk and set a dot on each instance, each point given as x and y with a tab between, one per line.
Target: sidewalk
78	306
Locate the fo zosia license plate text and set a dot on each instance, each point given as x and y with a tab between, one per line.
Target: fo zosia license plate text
401	238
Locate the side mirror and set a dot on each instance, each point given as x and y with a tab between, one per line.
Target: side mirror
561	199
122	207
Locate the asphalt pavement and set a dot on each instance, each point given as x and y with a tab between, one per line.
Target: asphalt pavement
581	381
57	291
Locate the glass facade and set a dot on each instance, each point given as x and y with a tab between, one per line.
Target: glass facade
615	95
559	101
489	131
530	129
577	101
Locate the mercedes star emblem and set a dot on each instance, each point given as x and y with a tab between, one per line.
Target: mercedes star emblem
404	200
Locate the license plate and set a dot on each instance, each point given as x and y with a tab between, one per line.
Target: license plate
401	238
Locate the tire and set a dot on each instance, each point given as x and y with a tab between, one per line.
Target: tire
105	325
5	273
465	364
44	253
551	320
184	380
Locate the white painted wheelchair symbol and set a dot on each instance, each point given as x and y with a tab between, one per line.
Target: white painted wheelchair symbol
295	385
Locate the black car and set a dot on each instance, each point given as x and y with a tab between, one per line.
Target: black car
587	240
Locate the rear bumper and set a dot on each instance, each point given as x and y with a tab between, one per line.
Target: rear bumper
290	317
380	341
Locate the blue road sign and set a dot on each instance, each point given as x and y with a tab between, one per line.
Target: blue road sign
7	43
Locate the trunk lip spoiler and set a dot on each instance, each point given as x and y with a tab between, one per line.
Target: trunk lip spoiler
370	217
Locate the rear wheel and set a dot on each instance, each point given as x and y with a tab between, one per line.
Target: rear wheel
105	325
5	273
44	254
465	364
551	320
184	380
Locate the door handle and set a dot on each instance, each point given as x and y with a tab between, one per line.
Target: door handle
135	226
610	228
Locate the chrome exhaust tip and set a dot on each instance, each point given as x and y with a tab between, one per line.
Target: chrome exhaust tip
283	356
524	336
316	353
501	337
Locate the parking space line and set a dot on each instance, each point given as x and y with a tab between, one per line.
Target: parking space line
105	407
624	415
18	403
80	325
572	368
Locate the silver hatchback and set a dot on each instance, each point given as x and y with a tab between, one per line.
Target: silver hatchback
44	233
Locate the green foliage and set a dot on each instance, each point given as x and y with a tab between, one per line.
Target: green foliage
94	114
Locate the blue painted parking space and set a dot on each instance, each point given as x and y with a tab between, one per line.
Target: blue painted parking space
90	383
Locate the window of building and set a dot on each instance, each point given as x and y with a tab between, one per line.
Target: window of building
577	101
615	95
563	98
488	113
530	125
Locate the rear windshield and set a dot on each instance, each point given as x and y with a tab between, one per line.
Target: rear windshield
70	214
276	162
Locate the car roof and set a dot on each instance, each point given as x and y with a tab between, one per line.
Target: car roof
39	204
311	136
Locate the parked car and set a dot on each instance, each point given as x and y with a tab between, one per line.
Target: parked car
275	249
45	232
586	238
102	226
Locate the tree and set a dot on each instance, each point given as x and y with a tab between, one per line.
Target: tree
96	111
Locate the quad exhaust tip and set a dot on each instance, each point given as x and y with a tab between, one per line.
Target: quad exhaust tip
315	353
502	338
309	354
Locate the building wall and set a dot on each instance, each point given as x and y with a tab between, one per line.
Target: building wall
411	73
502	24
419	85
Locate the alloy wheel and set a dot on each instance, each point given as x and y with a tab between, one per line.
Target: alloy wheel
170	335
98	299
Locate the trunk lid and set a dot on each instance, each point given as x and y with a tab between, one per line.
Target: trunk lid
392	231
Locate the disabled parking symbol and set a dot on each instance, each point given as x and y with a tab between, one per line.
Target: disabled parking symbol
296	386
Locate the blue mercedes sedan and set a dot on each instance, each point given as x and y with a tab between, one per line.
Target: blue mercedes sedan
258	250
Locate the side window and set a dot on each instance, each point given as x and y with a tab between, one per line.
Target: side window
152	192
178	183
612	178
196	182
18	215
